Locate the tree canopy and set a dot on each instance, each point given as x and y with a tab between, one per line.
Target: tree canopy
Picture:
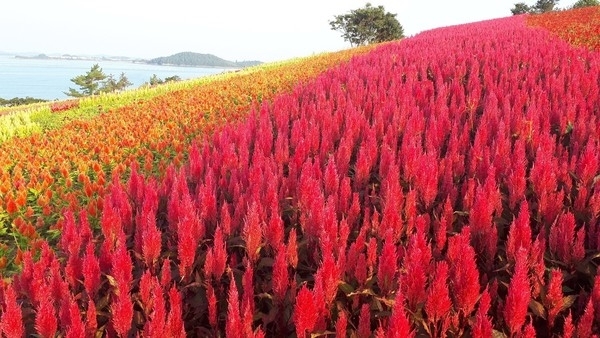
95	82
586	3
368	25
541	6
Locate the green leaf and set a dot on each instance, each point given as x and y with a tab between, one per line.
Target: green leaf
346	288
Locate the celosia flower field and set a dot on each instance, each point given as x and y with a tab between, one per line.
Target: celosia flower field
442	185
42	174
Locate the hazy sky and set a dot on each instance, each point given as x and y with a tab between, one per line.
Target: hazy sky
265	30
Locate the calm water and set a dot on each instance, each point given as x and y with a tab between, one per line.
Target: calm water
47	79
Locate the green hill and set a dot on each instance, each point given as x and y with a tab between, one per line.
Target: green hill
199	60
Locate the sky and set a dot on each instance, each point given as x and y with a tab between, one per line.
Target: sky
236	30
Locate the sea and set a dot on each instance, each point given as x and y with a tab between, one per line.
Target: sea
49	78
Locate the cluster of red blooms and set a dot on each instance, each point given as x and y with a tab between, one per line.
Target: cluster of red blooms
60	106
443	185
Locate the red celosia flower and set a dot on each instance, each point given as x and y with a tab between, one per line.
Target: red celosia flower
292	249
91	323
464	276
519	294
91	271
219	254
174	323
329	276
45	319
165	277
122	311
212	306
529	331
252	232
305	314
360	271
151	237
280	279
399	325
554	295
388	264
519	235
438	302
155	325
364	321
564	242
76	327
248	288
568	329
341	325
234	326
145	292
586	321
11	321
482	328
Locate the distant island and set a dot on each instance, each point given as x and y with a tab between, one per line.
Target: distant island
184	59
190	59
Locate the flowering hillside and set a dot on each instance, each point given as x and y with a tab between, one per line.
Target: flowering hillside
442	185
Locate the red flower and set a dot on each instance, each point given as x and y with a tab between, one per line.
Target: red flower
11	321
280	275
174	323
554	295
482	328
341	325
76	327
253	232
91	323
586	321
364	321
519	294
45	319
305	312
91	271
292	249
399	325
464	276
388	264
234	326
122	311
212	306
438	302
519	235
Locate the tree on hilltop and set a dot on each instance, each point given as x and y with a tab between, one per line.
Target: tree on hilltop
541	6
586	3
520	8
367	25
95	82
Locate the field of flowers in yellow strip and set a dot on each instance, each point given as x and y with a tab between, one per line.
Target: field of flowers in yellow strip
579	27
71	166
